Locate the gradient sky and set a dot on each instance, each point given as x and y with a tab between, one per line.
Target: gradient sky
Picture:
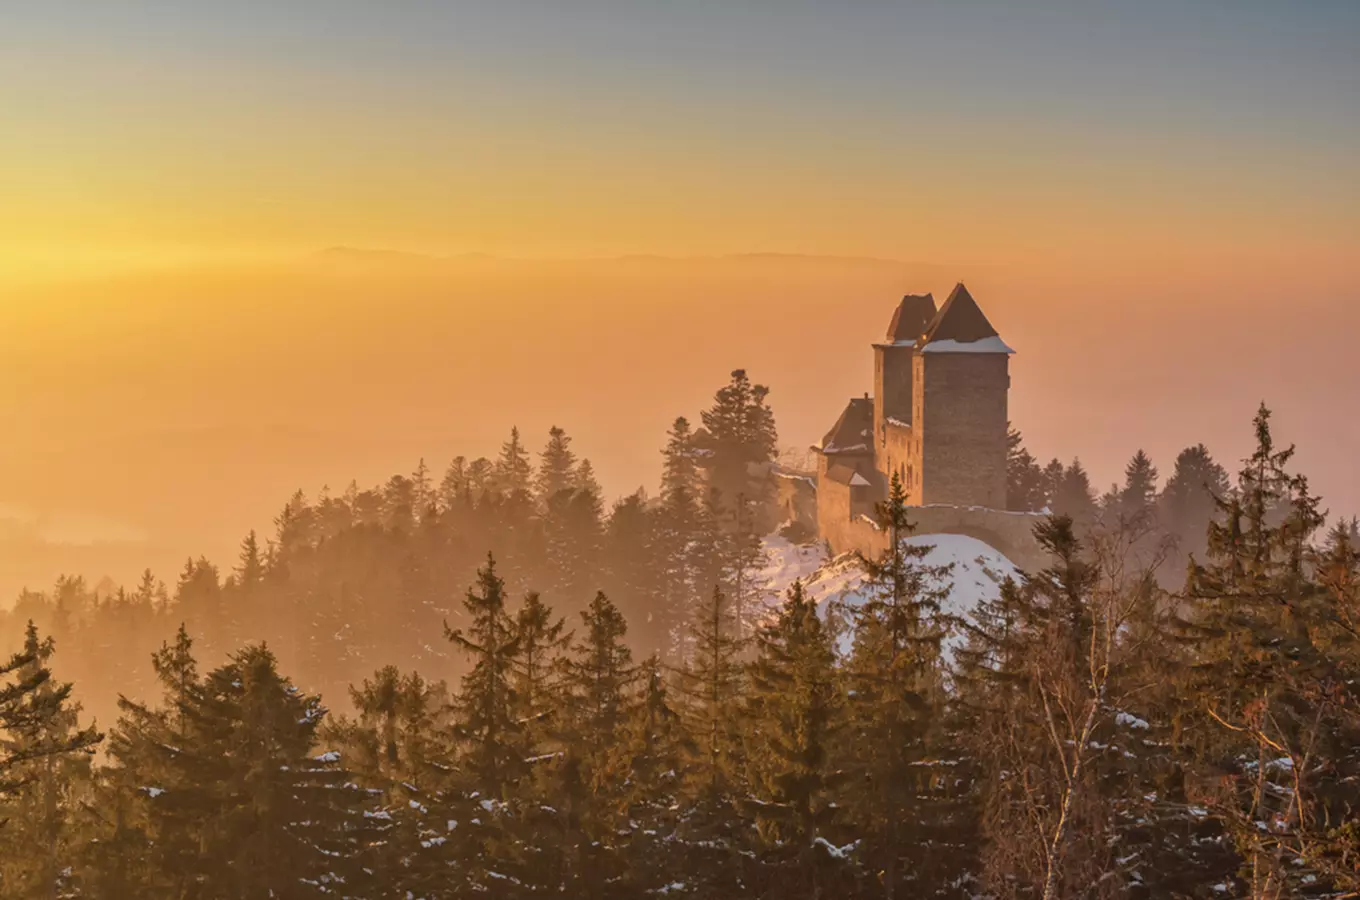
1067	134
1158	204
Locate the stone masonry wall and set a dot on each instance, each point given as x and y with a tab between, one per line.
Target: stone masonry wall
1012	533
962	428
796	497
896	454
893	372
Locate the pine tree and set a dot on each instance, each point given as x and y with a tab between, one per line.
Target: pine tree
1025	481
422	489
1073	496
585	481
231	792
481	476
573	538
1139	492
454	488
512	474
1270	679
397	750
44	768
895	713
713	685
677	529
1026	681
488	728
1186	505
793	712
556	468
632	559
741	556
250	568
540	641
741	437
597	681
397	716
657	746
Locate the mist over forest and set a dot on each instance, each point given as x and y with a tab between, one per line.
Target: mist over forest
486	678
157	415
679	450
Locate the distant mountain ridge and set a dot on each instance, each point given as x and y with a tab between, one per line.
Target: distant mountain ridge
350	254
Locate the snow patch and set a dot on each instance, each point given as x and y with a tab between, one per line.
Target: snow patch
977	571
1129	720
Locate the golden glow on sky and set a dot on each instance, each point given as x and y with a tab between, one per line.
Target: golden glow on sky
1157	202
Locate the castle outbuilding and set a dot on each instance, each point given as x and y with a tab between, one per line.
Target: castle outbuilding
937	419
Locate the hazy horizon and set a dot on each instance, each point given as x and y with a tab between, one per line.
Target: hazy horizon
246	248
165	413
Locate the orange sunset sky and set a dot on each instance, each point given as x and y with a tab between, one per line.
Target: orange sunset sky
589	213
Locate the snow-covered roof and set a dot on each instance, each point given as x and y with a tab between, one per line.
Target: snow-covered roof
961	327
858	480
992	344
852	429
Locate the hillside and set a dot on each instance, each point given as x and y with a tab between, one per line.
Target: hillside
977	572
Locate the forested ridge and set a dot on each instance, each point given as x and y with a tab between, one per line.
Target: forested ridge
482	682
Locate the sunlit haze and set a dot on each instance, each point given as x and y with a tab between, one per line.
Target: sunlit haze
1157	204
681	449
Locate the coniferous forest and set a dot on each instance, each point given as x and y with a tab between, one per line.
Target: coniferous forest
483	682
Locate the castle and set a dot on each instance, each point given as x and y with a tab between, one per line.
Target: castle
938	420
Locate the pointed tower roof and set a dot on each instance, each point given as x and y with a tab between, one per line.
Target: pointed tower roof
853	431
910	319
960	326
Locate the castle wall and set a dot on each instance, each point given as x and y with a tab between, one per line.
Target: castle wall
1012	533
915	460
796	497
839	504
892	387
896	455
962	428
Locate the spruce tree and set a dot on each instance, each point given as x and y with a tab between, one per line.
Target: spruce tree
512	474
1073	496
585	481
454	486
1025	481
712	835
677	528
632	556
44	770
1272	678
234	799
488	728
422	489
556	467
597	678
541	639
1186	505
794	710
895	711
657	746
1139	492
741	436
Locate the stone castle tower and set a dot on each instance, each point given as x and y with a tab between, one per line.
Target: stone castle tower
937	419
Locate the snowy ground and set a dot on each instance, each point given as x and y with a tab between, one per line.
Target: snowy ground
977	573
